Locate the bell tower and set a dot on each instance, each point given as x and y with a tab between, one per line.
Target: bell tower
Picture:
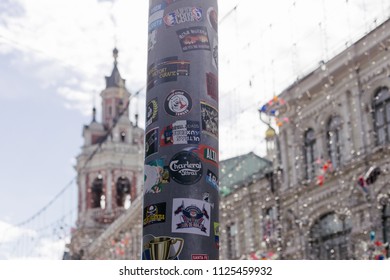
110	165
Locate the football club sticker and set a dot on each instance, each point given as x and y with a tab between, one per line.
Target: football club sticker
155	176
151	112
167	70
194	38
191	216
185	168
154	214
178	103
209	117
151	142
212	179
208	154
183	15
181	132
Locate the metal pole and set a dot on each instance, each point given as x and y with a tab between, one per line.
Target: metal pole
180	211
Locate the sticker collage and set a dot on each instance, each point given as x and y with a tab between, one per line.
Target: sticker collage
181	183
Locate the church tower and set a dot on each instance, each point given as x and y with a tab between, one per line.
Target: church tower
110	165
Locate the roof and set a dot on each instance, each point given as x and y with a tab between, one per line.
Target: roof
238	171
115	80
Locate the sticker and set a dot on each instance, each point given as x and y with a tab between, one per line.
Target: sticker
199	257
167	70
212	179
212	85
182	15
151	112
209	117
161	247
181	132
185	168
191	216
206	196
214	61
151	142
155	176
208	154
216	234
194	38
178	103
212	17
154	214
152	40
156	14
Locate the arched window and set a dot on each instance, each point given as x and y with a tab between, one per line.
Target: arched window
334	140
309	154
329	238
123	136
97	193
381	106
123	192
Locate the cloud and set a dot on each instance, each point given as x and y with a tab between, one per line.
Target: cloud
21	243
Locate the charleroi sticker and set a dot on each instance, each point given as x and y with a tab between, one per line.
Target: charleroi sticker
185	168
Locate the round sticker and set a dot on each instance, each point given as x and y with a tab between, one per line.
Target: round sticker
185	168
178	103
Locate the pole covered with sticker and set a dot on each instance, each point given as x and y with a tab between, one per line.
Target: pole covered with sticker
180	210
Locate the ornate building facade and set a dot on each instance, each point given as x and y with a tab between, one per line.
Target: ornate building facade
328	194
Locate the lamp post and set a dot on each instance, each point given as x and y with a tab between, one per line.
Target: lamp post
181	192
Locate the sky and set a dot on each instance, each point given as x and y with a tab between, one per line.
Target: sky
53	59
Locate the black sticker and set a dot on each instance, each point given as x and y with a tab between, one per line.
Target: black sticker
154	214
151	112
151	142
194	38
167	70
185	168
178	103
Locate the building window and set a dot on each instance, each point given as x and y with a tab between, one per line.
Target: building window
98	198
309	154
381	106
269	221
334	141
231	241
123	192
329	238
123	136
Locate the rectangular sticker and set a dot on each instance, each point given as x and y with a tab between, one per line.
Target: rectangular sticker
191	216
151	142
194	38
167	70
209	117
181	132
154	214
